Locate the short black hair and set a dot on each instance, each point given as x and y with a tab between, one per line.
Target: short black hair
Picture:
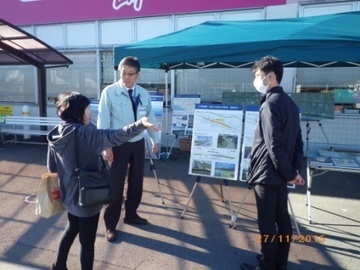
70	106
270	63
130	61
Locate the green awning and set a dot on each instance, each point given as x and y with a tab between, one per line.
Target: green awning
317	41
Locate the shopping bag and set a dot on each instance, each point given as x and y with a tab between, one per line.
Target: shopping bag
48	200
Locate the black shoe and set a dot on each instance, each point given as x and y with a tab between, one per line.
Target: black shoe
137	220
246	266
54	267
110	235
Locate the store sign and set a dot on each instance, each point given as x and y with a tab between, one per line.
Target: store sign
6	110
29	12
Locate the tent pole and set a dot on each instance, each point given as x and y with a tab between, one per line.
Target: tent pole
166	107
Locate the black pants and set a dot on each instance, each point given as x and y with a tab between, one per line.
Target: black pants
86	228
274	225
129	158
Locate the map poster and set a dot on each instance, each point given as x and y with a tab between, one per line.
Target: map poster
216	140
157	103
251	118
183	114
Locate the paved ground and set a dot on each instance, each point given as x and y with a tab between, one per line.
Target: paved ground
201	240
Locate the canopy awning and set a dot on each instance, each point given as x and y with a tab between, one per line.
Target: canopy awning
18	47
317	41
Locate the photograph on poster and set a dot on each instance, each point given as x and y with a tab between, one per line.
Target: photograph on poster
203	141
227	141
179	123
243	169
224	170
247	152
201	167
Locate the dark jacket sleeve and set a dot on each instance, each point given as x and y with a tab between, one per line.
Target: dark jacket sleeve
278	141
299	152
101	139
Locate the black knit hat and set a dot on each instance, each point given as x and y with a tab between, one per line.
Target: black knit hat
71	106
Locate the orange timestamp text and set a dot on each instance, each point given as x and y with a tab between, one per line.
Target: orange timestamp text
295	238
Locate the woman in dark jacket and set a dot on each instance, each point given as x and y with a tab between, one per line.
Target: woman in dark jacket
74	109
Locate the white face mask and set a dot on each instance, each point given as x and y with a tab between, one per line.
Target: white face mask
259	85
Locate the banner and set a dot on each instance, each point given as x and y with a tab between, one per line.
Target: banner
25	12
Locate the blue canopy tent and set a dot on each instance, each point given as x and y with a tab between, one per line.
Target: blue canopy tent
318	41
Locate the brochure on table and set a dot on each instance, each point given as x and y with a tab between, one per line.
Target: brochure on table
157	103
326	158
183	114
216	141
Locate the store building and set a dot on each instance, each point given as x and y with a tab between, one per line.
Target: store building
86	33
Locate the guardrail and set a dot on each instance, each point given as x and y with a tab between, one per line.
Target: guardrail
27	126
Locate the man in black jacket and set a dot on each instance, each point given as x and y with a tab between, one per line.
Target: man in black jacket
276	160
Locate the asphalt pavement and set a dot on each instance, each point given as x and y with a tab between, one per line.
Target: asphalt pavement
200	235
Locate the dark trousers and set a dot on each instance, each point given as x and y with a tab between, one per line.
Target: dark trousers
129	159
86	228
274	225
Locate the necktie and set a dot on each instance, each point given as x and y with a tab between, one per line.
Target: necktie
130	91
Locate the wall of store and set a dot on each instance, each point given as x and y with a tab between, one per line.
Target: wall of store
89	44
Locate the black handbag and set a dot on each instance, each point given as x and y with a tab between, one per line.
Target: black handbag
94	186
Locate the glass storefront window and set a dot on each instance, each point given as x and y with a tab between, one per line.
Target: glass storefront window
17	83
80	76
106	68
210	83
150	79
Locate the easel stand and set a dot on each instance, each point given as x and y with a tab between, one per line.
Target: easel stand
234	217
198	178
172	146
153	169
308	129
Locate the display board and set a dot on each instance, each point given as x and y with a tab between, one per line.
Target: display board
250	121
314	106
183	114
216	141
157	102
242	98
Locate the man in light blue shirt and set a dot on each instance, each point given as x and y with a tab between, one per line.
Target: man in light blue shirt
122	103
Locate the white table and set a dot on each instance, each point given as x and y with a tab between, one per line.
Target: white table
347	162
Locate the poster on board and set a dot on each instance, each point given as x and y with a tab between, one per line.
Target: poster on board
215	145
251	119
157	103
183	114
